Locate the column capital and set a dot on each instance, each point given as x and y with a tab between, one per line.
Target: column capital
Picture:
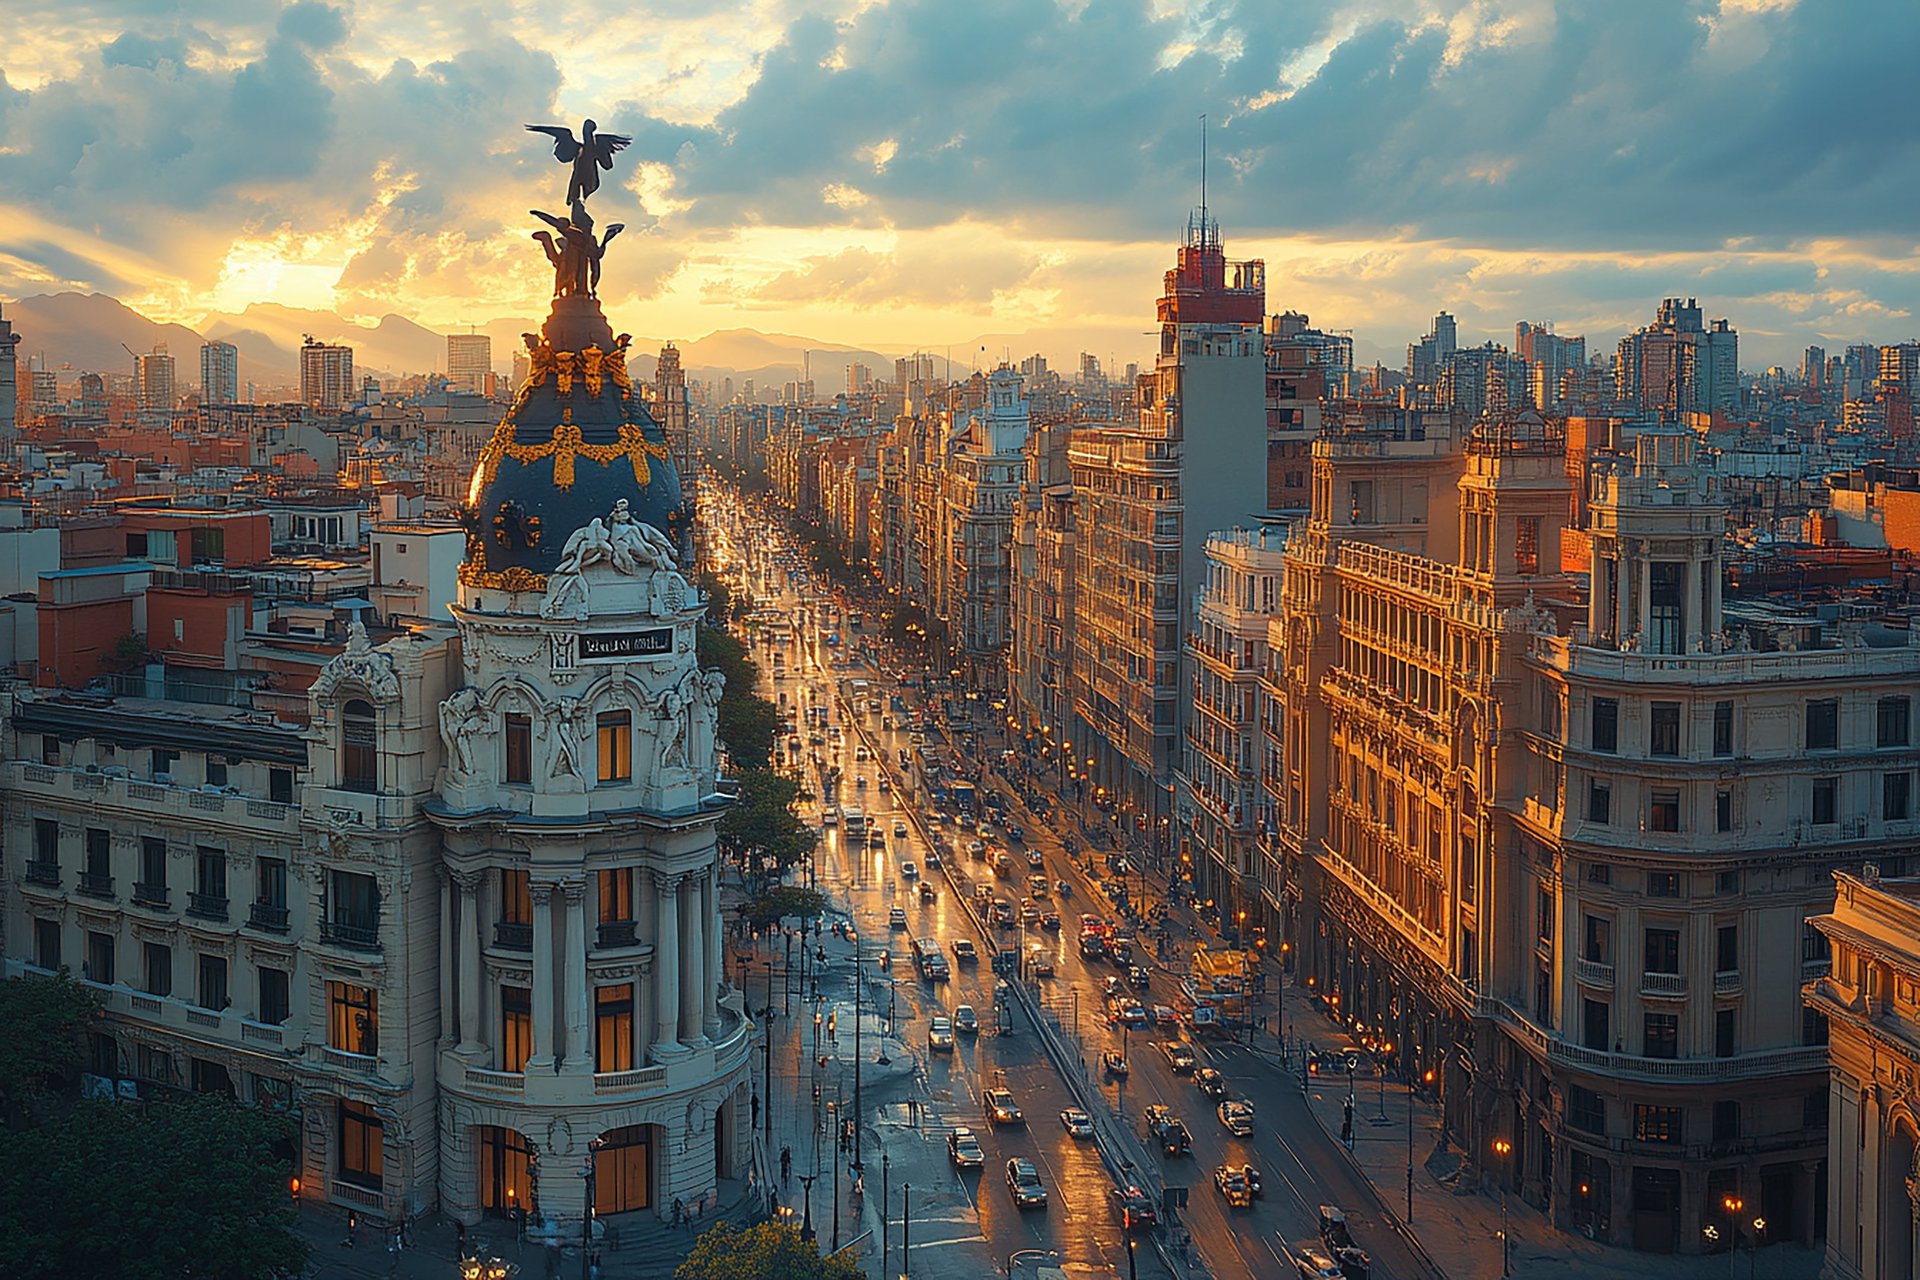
469	881
668	882
542	891
575	890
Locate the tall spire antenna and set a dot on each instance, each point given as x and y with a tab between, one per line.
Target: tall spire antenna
1203	174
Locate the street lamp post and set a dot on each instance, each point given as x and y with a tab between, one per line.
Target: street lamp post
906	1227
833	1111
1504	1149
886	1177
806	1224
1733	1205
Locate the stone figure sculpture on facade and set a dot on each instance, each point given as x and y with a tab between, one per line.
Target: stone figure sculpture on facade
566	747
703	735
461	717
636	545
573	251
672	715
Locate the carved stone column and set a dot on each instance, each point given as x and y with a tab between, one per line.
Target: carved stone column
467	940
711	966
666	969
574	979
542	894
446	957
692	961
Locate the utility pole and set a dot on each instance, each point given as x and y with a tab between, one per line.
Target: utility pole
859	981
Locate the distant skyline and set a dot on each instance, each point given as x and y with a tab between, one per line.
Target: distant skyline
871	173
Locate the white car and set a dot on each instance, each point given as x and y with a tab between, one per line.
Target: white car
897	918
940	1034
908	871
1238	1118
1077	1122
899	827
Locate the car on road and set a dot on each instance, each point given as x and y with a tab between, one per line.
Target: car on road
1092	946
932	860
965	952
1168	1130
861	753
1114	1063
1133	1016
1039	961
1037	887
1050	921
908	871
886	785
1023	1180
899	827
897	918
1077	1122
1034	861
876	840
1251	1173
963	1148
1003	866
927	892
1210	1082
1179	1056
1311	1261
1029	911
1002	1108
1015	834
940	1035
977	850
965	1020
859	779
1140	977
1003	913
1231	1183
1238	1117
1165	1015
1132	1208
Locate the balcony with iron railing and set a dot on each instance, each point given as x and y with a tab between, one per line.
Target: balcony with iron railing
354	935
269	917
44	873
513	935
1665	986
613	934
96	884
207	906
150	895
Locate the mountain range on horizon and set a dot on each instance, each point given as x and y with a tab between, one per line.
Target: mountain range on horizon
94	332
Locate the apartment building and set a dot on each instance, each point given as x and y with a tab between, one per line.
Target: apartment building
1564	831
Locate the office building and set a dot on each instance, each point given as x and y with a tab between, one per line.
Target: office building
1426	357
153	379
219	373
469	362
1680	364
1550	357
326	376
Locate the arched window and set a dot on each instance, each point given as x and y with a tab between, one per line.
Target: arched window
359	755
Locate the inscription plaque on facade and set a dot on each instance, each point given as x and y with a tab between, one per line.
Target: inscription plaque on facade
619	646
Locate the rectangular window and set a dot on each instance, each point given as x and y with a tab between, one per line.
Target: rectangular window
1823	724
1606	725
1727	882
153	870
1543	901
1724	1022
100	957
99	854
615	739
1813	1026
46	944
519	760
1826	801
157	959
1813	943
1726	949
1599	802
1597	946
270	882
1594	1028
516	1028
1526	545
1726	1121
1599	873
353	1019
1663	951
1723	729
1663	884
210	875
1662	1036
49	749
516	898
1665	729
216	771
1723	811
1896	796
275	1000
280	786
1586	1110
1892	722
1663	811
213	982
613	1028
362	1143
46	842
616	895
354	901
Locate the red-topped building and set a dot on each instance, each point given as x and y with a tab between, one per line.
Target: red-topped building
1204	288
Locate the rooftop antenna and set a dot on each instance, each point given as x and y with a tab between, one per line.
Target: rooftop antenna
1203	174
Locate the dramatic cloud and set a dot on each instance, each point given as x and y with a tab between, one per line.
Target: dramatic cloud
919	170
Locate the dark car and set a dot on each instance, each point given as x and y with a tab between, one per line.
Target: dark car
1140	977
1210	1082
1132	1208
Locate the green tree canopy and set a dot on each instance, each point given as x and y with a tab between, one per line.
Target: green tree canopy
187	1188
44	1020
763	818
768	1251
781	901
746	721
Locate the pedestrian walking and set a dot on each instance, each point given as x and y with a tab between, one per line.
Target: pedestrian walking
786	1166
353	1227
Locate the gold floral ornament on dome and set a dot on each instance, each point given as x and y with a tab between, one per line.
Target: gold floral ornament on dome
566	445
592	365
512	578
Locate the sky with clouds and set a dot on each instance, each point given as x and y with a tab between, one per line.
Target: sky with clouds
925	171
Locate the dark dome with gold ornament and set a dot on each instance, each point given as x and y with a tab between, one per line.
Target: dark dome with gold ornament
578	436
